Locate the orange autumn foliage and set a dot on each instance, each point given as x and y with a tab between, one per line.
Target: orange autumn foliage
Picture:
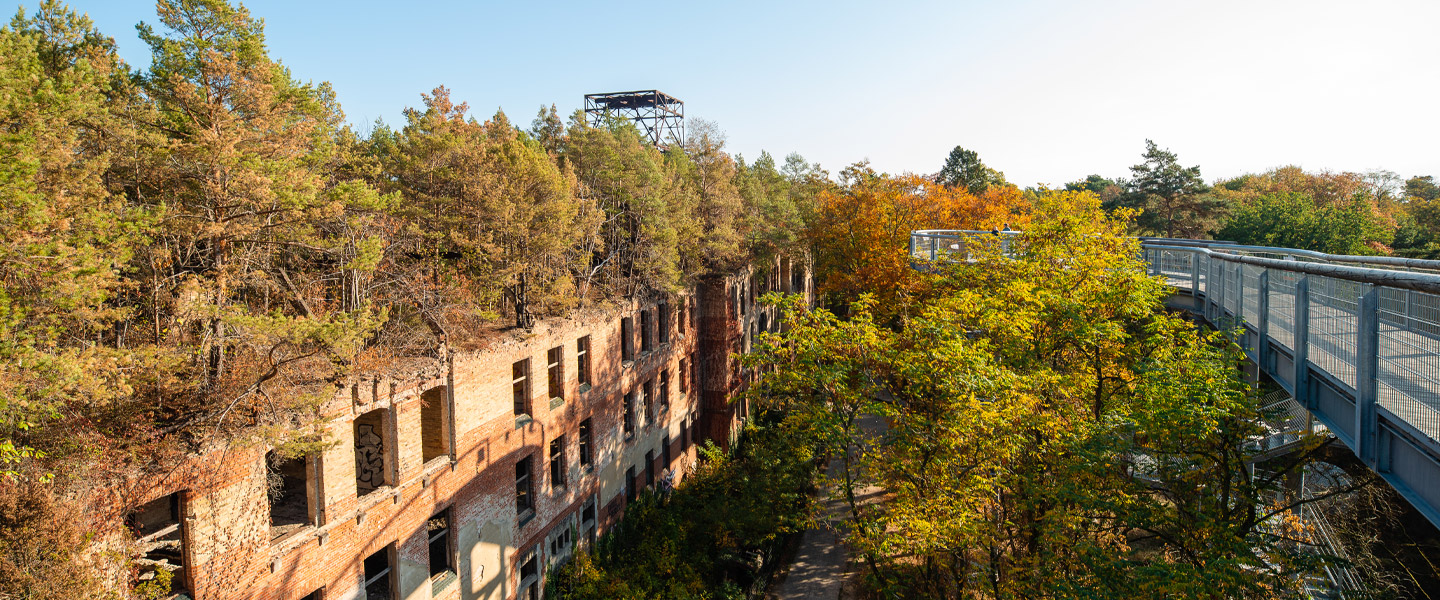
861	234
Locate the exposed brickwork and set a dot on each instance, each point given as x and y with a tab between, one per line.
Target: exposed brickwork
229	553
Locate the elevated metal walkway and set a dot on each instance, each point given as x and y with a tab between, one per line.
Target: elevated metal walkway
1354	340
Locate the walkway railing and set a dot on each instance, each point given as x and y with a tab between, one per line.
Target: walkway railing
1355	340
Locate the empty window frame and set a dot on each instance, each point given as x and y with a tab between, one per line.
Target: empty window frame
555	372
520	385
582	361
588	523
684	435
372	451
160	533
442	551
663	327
694	430
645	327
680	323
287	490
680	376
627	339
529	578
584	444
557	464
629	420
524	492
630	484
662	401
378	579
434	429
650	468
315	595
649	400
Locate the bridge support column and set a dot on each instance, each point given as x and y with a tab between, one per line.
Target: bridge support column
1367	371
1301	380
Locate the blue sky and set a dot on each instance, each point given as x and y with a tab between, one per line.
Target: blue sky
1046	91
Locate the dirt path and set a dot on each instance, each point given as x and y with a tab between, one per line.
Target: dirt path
822	567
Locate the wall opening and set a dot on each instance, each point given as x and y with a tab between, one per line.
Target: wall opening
663	328
524	491
649	469
442	552
663	398
584	445
630	484
434	429
372	447
555	372
629	421
582	362
627	339
160	533
529	578
557	464
378	580
645	326
287	488
520	386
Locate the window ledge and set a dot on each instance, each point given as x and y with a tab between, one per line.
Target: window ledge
525	517
439	583
584	387
523	420
556	403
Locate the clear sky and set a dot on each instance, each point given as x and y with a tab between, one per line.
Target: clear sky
1046	91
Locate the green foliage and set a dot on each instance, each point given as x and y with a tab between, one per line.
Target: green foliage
963	169
1172	198
1422	187
702	541
1296	220
1049	431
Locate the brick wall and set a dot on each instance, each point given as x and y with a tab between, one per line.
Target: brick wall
228	548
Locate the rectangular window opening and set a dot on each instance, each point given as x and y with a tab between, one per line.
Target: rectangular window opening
680	377
665	453
585	443
442	556
645	326
649	402
160	533
649	469
434	431
663	399
629	422
524	493
530	578
555	373
630	484
520	385
377	575
582	360
557	464
286	487
372	451
627	339
663	327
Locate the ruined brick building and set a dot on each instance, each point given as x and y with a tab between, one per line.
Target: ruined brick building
475	474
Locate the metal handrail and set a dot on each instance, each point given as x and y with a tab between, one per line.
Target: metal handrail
1355	339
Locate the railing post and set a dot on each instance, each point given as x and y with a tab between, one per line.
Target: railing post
934	241
1301	380
1262	313
1367	384
1195	276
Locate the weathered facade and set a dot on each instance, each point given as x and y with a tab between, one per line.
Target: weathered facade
473	475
